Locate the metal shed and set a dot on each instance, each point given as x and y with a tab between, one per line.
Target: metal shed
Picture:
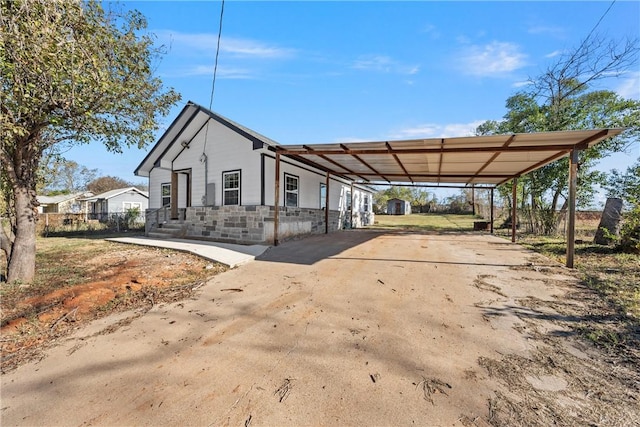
398	207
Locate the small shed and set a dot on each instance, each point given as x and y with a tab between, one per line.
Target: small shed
398	207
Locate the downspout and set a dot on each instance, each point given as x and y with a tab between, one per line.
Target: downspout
205	160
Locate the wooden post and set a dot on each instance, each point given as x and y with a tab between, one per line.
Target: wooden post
514	204
571	221
473	199
491	211
276	201
174	195
326	205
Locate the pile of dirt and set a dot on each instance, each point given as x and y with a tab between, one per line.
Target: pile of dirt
121	278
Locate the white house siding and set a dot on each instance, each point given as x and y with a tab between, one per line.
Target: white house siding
157	177
116	203
229	151
225	151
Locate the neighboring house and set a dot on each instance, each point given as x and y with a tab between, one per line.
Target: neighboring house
398	207
118	201
63	203
217	179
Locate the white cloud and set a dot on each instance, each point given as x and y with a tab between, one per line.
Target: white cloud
433	130
553	54
431	30
629	86
207	70
383	64
493	59
541	29
521	84
253	48
204	44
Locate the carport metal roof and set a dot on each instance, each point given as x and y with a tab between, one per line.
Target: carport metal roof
492	160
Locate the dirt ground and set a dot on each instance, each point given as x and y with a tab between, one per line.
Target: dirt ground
353	328
115	277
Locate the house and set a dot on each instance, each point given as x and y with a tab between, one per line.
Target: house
118	201
398	207
63	203
212	178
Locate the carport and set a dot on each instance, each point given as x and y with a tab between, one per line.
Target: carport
462	162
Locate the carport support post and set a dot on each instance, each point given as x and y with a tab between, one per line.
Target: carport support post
491	211
514	204
276	201
326	205
174	195
571	222
351	209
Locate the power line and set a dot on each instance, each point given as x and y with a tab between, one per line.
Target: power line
215	67
213	83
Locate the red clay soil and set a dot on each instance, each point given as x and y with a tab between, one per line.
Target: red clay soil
123	278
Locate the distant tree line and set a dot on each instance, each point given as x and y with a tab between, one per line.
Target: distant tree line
61	176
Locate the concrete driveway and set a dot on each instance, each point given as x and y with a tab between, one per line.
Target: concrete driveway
353	328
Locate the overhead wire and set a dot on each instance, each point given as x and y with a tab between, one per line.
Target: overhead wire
203	157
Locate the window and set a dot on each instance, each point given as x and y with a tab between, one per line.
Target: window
348	200
366	203
291	190
323	196
231	188
131	205
166	194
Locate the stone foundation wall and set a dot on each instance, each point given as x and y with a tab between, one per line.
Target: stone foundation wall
254	224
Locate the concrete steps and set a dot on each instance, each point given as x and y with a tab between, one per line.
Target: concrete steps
168	230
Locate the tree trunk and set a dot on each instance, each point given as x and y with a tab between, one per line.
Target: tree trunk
610	221
22	261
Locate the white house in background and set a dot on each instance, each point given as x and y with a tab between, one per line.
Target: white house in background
117	201
216	179
63	203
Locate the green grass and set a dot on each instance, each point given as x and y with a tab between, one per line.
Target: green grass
426	222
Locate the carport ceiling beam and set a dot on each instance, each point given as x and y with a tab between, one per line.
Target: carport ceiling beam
333	162
443	176
358	158
549	159
370	151
395	156
495	156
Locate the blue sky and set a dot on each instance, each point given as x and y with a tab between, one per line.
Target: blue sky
321	72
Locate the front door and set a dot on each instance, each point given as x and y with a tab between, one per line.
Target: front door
398	208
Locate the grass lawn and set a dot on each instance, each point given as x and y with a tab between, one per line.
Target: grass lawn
426	222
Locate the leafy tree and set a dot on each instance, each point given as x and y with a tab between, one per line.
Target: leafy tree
627	187
107	183
70	73
68	175
559	99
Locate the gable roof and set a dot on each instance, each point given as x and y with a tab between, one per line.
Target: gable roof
194	115
54	200
112	193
